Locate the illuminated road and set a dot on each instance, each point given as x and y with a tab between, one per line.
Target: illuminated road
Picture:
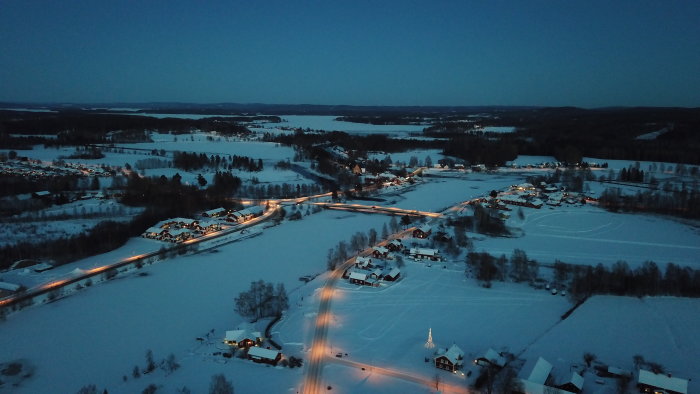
376	209
68	280
411	377
319	348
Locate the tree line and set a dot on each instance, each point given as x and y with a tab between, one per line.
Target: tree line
683	203
194	161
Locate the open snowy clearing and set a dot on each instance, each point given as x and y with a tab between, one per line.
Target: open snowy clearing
328	123
590	235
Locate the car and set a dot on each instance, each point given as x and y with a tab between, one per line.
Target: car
554	291
339	355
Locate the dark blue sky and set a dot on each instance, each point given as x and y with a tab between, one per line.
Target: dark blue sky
581	53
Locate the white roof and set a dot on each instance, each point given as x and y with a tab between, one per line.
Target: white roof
215	211
156	230
540	371
207	223
253	210
381	249
663	381
394	272
179	231
262	353
235	335
358	276
362	260
182	220
494	357
43	193
577	380
377	272
396	242
9	286
424	251
424	228
454	354
537	388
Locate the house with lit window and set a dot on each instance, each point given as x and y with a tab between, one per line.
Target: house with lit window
450	359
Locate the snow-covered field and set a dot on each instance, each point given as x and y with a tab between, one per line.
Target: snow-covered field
99	334
590	235
328	123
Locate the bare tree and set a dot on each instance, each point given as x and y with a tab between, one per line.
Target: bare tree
219	385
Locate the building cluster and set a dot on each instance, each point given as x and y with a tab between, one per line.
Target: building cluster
372	270
230	216
542	379
251	342
530	196
37	169
181	229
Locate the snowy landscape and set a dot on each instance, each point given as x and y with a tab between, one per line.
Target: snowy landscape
160	318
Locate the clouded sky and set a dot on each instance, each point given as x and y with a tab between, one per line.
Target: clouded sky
581	53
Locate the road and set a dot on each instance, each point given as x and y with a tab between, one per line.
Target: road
319	348
443	387
376	209
68	280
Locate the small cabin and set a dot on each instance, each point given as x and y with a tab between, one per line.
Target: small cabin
491	358
266	356
423	253
395	245
422	232
393	275
243	338
380	252
650	382
363	262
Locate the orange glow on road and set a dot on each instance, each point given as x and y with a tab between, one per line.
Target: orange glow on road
97	269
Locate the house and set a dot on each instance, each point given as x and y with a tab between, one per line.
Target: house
363	262
243	338
422	232
442	236
247	214
395	245
574	384
616	372
9	287
650	382
380	252
179	235
376	274
491	357
261	355
34	265
154	232
422	253
215	213
393	275
537	381
358	278
450	359
540	372
42	195
208	226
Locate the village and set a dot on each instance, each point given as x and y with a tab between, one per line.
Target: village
386	297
